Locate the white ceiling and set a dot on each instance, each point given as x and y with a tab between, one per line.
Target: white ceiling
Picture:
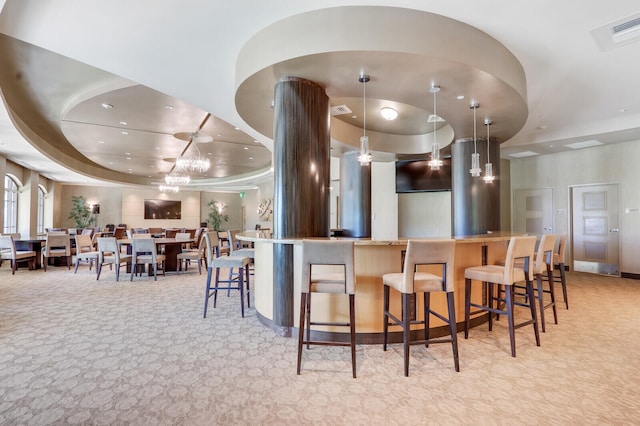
188	53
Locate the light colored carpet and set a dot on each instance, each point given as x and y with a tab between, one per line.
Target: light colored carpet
77	351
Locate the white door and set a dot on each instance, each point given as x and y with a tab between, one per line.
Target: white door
533	211
595	233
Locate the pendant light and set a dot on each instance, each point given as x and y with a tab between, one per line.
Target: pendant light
365	156
435	162
488	168
475	157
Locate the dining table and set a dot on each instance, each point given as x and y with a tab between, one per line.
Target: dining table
172	247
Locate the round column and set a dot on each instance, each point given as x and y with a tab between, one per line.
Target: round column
301	180
355	196
475	202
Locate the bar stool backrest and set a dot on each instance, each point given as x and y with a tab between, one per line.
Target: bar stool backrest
211	241
562	246
545	253
519	248
422	252
327	252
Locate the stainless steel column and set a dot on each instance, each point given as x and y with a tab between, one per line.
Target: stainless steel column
301	180
355	196
475	203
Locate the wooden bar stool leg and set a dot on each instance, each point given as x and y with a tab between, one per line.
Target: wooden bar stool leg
512	334
385	318
453	329
427	308
406	332
540	302
467	306
352	324
303	310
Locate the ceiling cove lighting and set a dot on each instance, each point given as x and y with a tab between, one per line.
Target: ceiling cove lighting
365	156
475	157
435	162
488	168
388	113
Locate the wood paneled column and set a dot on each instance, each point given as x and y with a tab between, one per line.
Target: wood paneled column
301	180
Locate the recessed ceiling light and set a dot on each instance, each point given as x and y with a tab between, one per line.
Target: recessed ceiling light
157	147
237	128
246	147
169	107
124	133
127	153
128	158
100	141
388	113
153	167
256	142
110	162
460	97
250	158
523	154
124	123
541	127
106	105
623	110
584	144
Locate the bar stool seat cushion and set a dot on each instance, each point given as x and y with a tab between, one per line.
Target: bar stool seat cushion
423	282
494	274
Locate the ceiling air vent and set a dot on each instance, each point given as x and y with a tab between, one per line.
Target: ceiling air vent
618	33
340	109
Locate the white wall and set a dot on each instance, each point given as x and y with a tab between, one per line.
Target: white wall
384	201
604	164
424	214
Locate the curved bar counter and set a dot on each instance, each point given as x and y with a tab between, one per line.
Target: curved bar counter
373	258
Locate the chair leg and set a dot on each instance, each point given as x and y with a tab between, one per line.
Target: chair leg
426	309
467	306
241	287
406	332
206	294
563	280
303	309
453	329
534	317
352	324
75	269
509	302
490	297
385	317
215	291
540	301
308	316
246	277
552	293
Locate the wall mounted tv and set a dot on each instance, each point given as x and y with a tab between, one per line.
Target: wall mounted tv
162	209
416	176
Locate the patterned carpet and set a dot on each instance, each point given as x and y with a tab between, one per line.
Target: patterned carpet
77	351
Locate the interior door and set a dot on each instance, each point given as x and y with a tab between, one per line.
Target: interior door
595	233
533	211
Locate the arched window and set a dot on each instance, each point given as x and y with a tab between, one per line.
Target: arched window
41	195
10	205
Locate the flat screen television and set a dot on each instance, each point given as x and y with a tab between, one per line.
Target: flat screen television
162	209
416	176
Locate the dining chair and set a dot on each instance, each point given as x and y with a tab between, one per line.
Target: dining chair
110	254
506	275
319	259
144	251
440	253
58	244
8	252
198	256
85	251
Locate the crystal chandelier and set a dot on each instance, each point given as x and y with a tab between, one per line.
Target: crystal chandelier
488	168
168	188
435	162
194	163
475	157
365	156
173	179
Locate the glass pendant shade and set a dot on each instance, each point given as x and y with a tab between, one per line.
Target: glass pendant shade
365	156
194	164
435	162
168	188
173	179
488	168
475	165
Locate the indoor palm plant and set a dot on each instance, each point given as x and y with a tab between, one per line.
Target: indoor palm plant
80	212
216	217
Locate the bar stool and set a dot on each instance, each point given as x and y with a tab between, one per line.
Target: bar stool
558	259
507	275
542	268
216	262
410	281
319	260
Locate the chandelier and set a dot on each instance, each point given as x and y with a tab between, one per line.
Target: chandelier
194	163
435	162
365	156
168	188
174	179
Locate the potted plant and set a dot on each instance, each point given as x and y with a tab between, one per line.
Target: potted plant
216	217
80	212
